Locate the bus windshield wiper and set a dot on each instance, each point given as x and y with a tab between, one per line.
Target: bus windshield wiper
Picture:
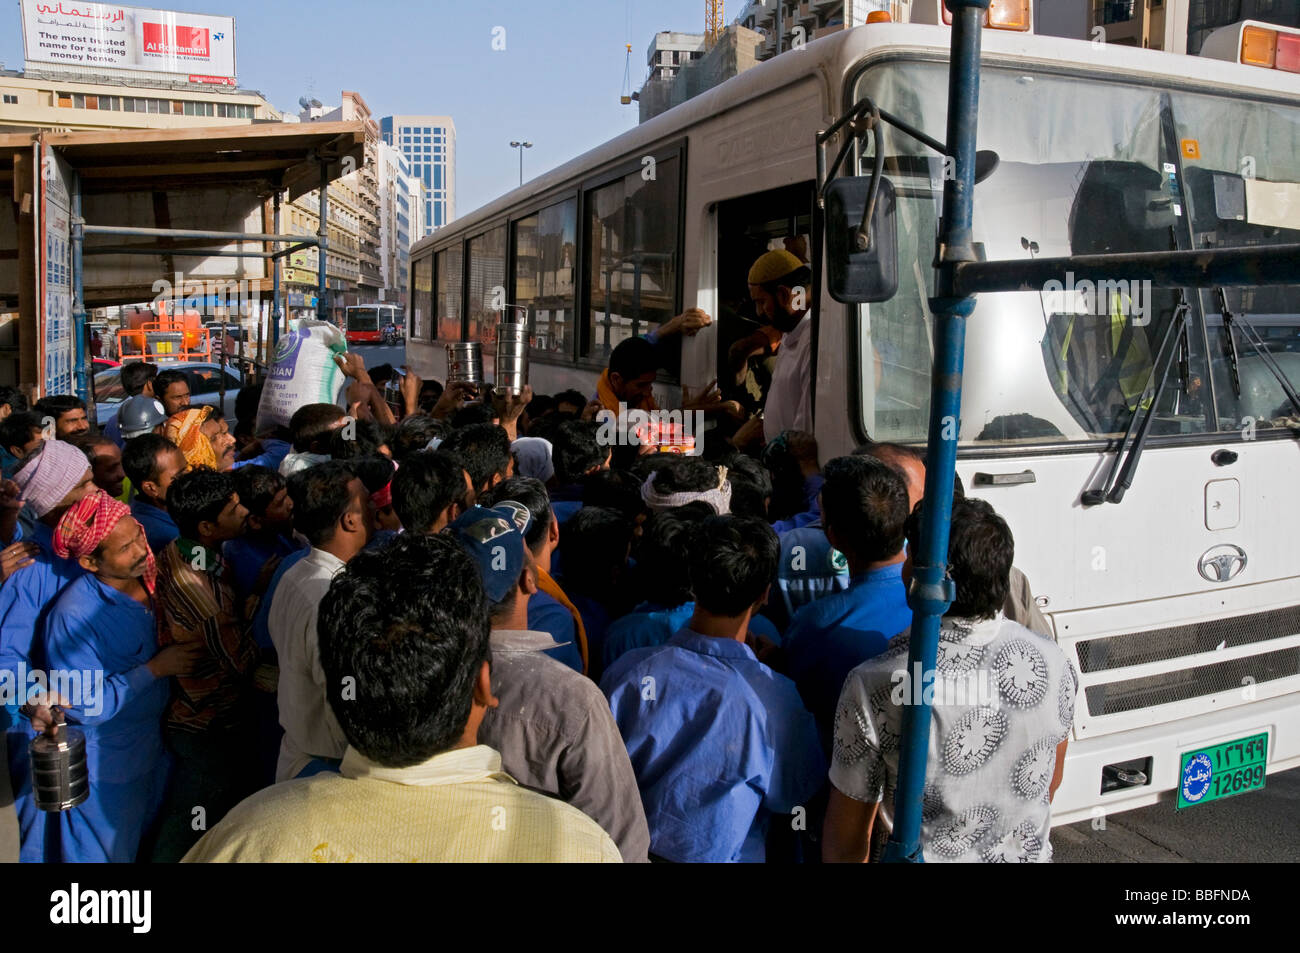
1229	344
1120	477
1257	344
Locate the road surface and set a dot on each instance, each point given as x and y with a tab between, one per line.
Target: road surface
1259	827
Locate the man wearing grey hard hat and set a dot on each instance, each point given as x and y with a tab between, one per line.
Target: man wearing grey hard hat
139	415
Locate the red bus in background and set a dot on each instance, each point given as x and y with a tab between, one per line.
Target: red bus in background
373	324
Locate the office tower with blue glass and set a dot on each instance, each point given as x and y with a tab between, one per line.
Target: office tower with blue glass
429	144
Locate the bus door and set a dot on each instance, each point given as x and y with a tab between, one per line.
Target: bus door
748	227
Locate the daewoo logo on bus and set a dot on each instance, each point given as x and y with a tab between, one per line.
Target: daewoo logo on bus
750	146
1221	563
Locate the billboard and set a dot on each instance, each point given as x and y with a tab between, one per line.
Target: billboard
88	37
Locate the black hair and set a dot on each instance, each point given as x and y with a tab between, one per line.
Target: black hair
980	553
686	475
864	500
246	405
56	405
413	435
87	443
788	496
575	450
17	428
751	485
375	471
430	393
15	398
476	412
484	449
570	397
425	485
198	495
214	412
893	454
614	489
633	358
135	374
140	457
381	375
321	497
166	379
403	636
257	487
663	555
540	406
532	494
732	562
648	463
594	551
310	426
362	439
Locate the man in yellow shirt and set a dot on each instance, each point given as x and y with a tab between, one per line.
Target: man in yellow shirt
404	647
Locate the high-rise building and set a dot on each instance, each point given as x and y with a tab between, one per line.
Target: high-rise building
394	224
429	144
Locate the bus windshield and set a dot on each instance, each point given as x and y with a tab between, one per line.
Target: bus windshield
1138	169
363	319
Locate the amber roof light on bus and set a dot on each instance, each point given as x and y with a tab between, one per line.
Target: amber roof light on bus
1001	14
1256	44
879	16
1009	15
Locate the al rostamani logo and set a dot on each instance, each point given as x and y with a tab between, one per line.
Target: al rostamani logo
160	39
1196	777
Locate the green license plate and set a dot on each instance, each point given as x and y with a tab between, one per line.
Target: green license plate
1219	771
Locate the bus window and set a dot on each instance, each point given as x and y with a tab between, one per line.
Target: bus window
544	260
421	297
487	280
632	257
447	265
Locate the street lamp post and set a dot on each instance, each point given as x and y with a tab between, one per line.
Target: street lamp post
521	146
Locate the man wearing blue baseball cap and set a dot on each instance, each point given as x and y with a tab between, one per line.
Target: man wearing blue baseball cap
552	726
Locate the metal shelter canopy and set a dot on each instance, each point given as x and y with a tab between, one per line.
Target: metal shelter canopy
140	202
266	157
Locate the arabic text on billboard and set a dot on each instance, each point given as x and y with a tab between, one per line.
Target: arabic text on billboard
135	38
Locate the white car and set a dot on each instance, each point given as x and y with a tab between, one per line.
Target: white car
204	380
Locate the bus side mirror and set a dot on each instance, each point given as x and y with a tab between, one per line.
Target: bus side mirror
855	275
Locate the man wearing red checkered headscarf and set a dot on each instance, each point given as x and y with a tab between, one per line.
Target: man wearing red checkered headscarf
104	625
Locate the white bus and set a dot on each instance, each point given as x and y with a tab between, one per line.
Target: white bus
1180	605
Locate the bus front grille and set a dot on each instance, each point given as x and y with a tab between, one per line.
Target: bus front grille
1160	645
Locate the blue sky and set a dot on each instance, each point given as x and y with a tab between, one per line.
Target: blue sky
556	83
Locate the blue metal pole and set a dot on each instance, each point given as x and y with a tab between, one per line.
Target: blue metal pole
275	277
78	238
323	242
931	591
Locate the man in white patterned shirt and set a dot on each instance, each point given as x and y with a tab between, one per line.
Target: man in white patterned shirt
1002	700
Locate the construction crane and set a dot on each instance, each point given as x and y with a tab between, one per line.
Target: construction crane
712	22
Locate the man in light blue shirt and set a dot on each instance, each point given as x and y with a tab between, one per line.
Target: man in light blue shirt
865	509
721	745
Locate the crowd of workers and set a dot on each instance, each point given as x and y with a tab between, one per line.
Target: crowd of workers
474	630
